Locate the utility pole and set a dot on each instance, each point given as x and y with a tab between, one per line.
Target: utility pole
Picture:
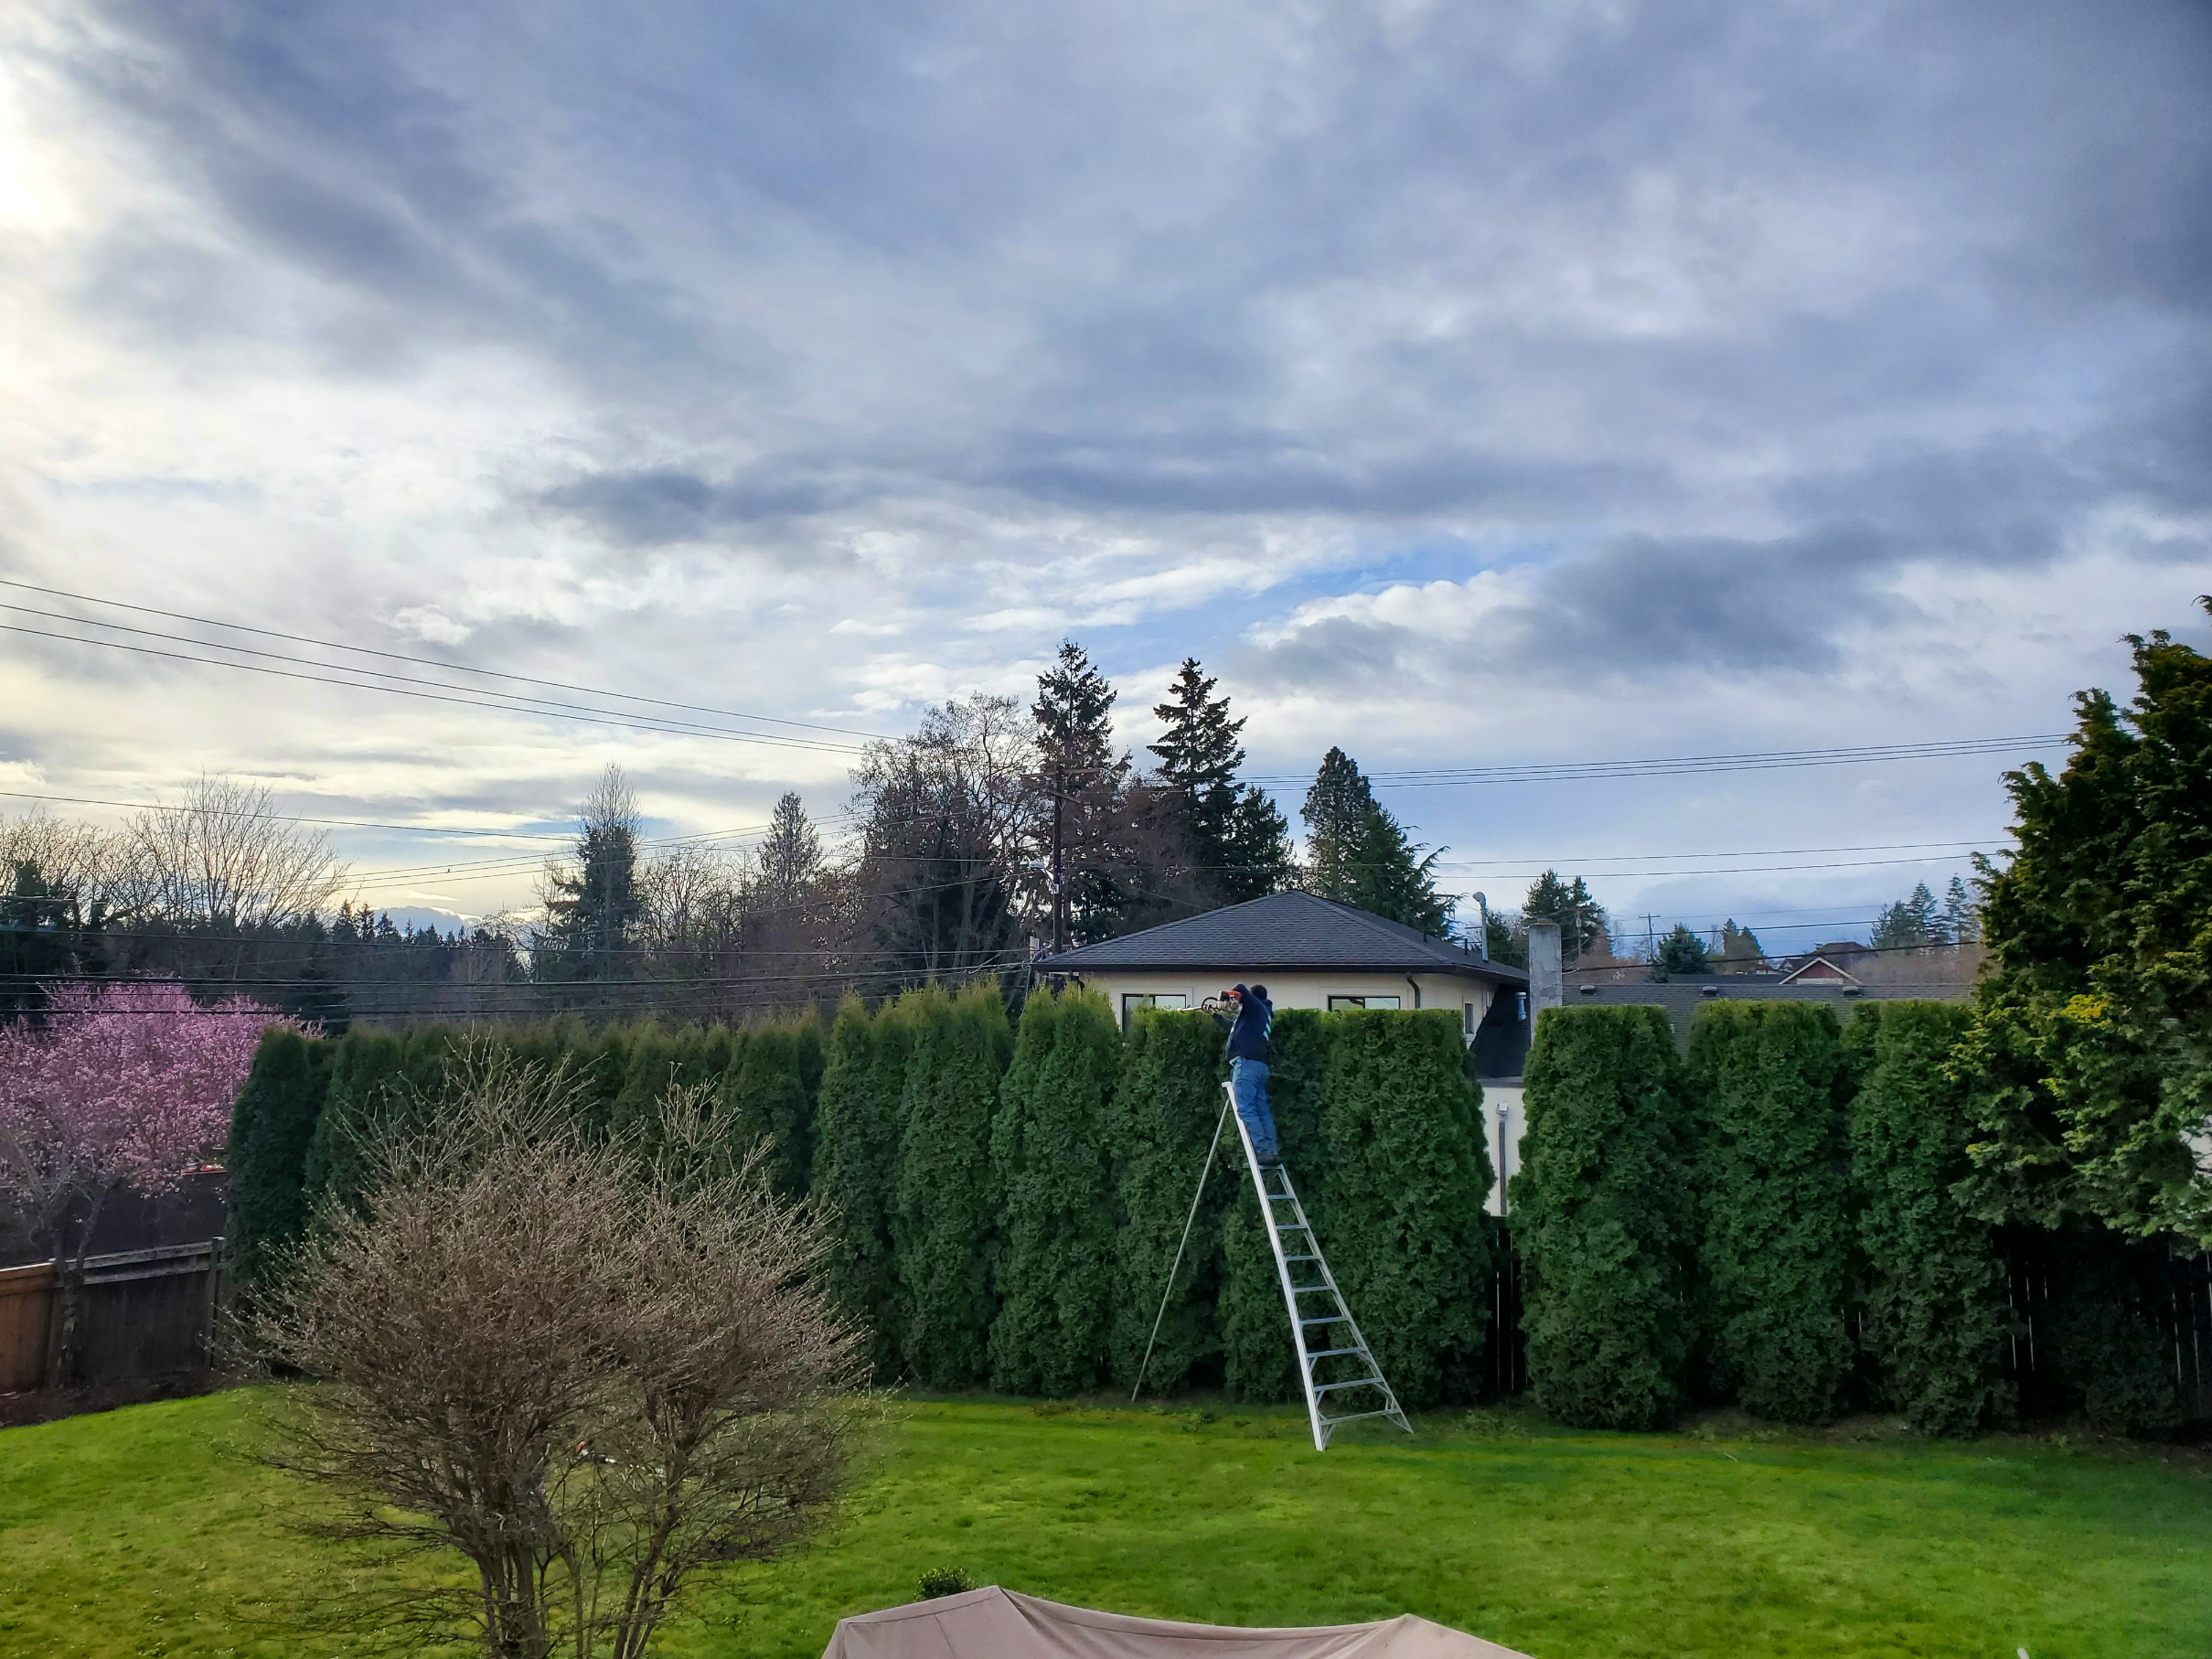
1650	937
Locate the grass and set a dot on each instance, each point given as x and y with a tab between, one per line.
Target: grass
144	1532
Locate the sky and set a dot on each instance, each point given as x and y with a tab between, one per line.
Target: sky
1464	385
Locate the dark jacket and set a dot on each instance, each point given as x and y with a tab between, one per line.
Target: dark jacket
1255	1022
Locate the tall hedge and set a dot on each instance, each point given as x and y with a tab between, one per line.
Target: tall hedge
856	1148
768	1095
366	1074
1403	1224
1777	1232
1165	1108
1050	1164
272	1126
942	1226
1604	1218
1936	1293
1257	1360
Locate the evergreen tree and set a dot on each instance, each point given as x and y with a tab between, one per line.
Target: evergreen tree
1081	779
1258	1362
1239	837
272	1127
942	1228
1961	917
1404	1228
1937	1293
1681	955
1051	1171
1604	1218
768	1095
857	1126
1911	923
2091	1047
1165	1109
593	909
1581	919
1739	947
1358	854
1776	1221
790	855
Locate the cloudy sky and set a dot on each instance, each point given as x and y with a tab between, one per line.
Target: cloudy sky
1465	384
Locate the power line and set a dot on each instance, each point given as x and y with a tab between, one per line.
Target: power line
614	717
1692	764
433	662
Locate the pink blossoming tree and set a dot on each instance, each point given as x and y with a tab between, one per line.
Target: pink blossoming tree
124	1086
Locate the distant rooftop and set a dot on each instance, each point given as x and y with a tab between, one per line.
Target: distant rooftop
1285	932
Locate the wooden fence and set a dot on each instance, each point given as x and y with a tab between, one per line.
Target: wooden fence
146	1313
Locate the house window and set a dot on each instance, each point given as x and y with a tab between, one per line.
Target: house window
1337	1004
1468	1025
1131	1000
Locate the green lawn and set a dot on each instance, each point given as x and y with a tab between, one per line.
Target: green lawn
145	1532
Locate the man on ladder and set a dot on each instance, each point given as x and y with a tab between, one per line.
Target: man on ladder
1252	1021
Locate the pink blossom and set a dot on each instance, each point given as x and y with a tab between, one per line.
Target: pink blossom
125	1085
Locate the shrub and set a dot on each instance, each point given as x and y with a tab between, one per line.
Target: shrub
856	1150
1935	1292
1165	1106
944	1582
942	1227
272	1125
1050	1172
365	1067
1775	1224
1402	1224
1604	1216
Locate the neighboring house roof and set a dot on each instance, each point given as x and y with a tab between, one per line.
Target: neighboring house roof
1284	932
1683	998
1819	969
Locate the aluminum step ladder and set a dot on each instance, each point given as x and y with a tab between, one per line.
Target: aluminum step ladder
1340	1371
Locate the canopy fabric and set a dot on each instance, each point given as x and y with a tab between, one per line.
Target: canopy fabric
994	1624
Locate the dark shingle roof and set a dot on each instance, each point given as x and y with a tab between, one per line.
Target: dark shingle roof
1284	932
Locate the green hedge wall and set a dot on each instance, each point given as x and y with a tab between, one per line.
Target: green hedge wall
1257	1360
1604	1216
1052	1167
944	1222
1403	1226
1774	1200
856	1126
1164	1110
272	1127
1936	1303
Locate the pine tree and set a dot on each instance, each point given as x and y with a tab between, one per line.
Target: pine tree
592	910
1775	1222
1961	917
1681	955
1083	778
1912	922
1337	808
790	855
1051	1168
1239	837
944	1225
1569	903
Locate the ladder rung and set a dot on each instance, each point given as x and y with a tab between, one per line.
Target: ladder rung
1310	1290
1358	1381
1332	1352
1354	1416
1331	1318
1288	1260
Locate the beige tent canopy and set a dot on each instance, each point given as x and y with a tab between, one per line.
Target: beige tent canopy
994	1624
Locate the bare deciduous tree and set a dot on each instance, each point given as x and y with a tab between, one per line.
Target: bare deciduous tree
589	1377
225	858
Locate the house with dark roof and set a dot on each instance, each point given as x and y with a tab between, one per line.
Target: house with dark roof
1309	953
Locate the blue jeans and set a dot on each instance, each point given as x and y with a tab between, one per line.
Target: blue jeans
1248	1086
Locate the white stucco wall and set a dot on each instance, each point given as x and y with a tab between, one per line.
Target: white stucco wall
1502	1121
1304	989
